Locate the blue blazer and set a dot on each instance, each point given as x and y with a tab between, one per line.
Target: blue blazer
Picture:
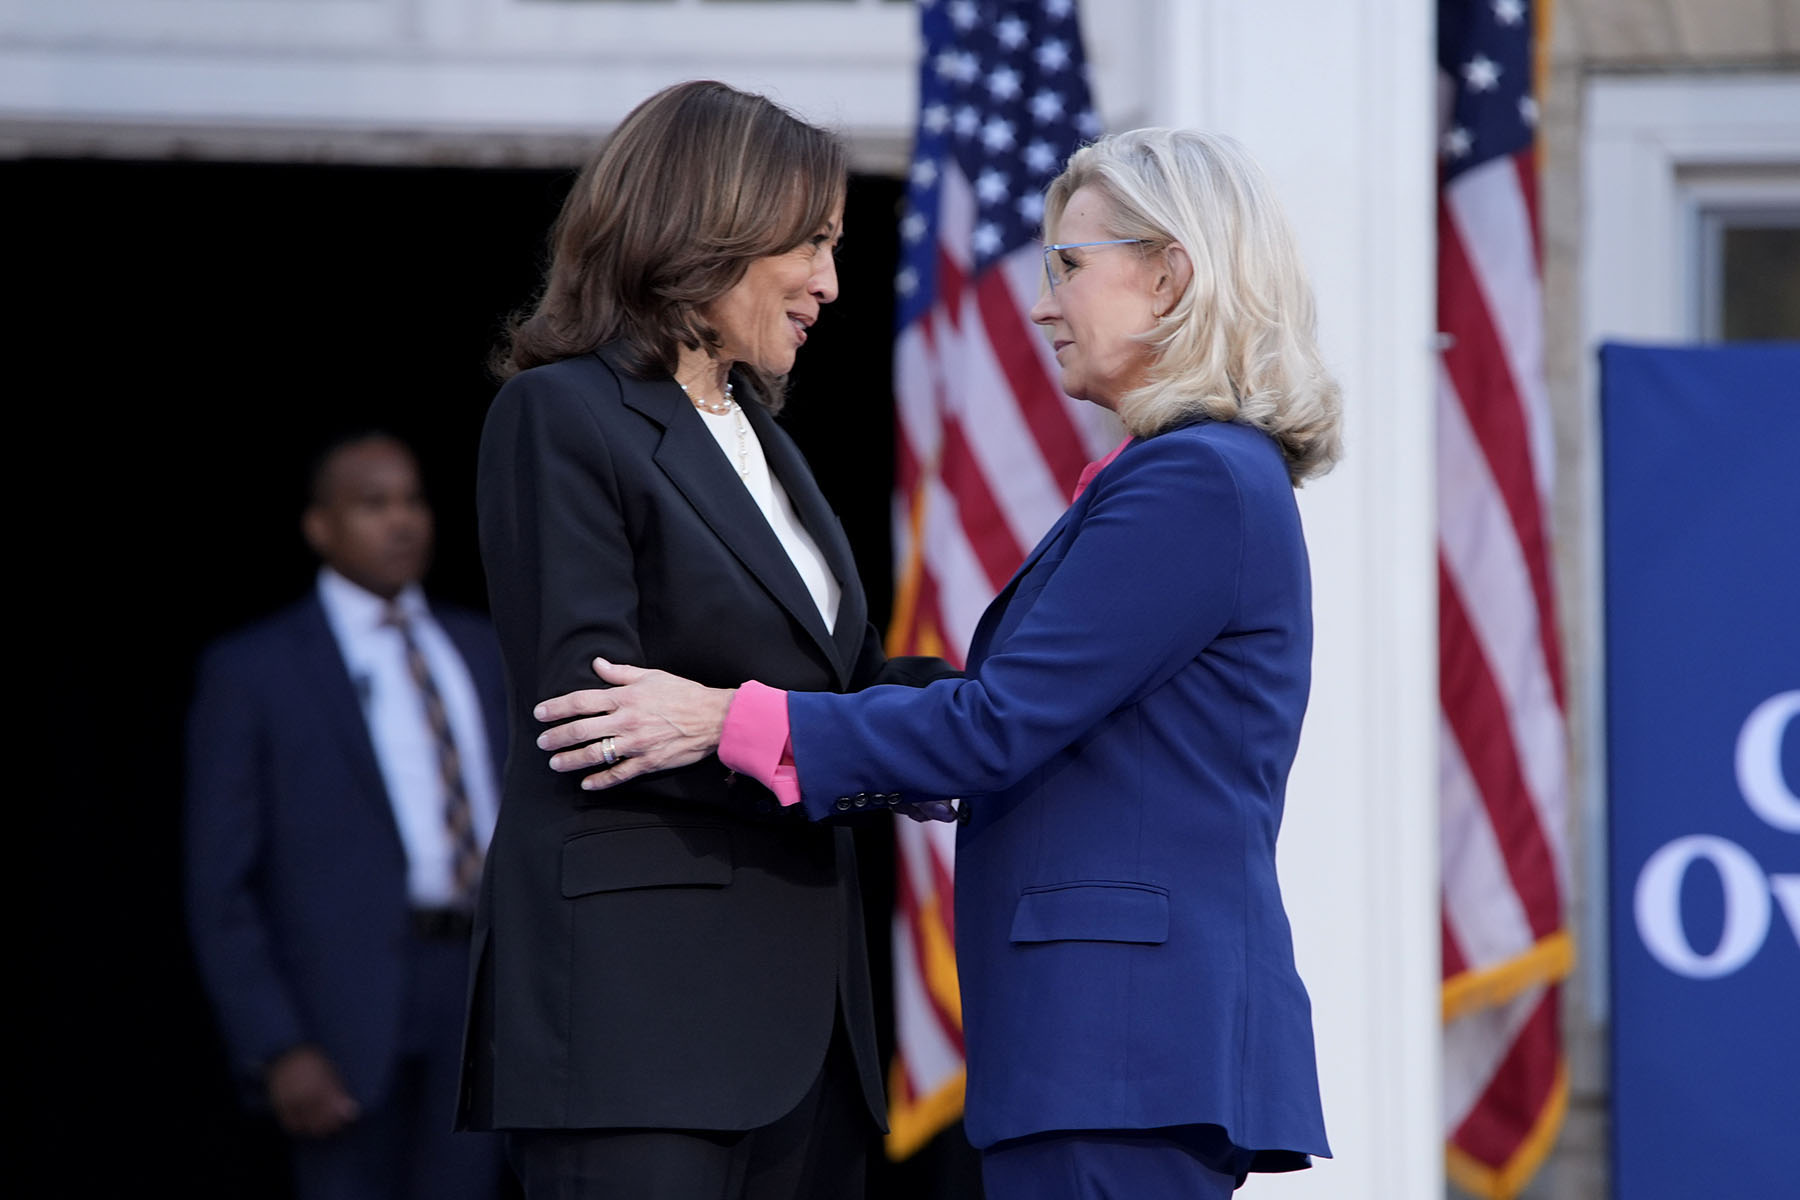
296	874
1122	745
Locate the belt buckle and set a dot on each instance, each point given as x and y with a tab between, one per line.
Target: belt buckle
442	924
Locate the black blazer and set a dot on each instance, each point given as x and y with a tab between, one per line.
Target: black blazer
295	873
670	953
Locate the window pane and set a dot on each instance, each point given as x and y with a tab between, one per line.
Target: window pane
1760	283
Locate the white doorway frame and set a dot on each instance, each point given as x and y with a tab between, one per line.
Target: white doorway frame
1659	153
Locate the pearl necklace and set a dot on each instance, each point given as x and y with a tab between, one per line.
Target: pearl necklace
718	409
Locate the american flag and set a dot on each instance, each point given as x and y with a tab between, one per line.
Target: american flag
1503	774
988	446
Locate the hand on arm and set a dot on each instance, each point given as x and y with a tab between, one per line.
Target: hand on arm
655	721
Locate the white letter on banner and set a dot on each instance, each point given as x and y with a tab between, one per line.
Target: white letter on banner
1759	762
1658	905
1787	890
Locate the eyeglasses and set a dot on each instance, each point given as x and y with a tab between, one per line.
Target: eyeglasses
1053	269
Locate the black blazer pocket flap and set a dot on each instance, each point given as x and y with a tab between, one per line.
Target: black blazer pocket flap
646	856
1093	911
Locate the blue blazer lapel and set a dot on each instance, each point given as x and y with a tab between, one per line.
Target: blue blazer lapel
1072	515
984	628
689	456
321	673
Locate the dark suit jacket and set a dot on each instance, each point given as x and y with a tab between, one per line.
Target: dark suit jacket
670	953
295	874
1123	745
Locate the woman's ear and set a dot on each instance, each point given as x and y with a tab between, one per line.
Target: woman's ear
1172	281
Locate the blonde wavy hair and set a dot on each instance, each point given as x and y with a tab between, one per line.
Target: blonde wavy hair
1239	344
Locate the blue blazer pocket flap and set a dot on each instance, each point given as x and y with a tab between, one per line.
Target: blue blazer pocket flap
1093	911
646	856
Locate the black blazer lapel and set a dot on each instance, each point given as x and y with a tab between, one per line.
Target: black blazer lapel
796	478
691	459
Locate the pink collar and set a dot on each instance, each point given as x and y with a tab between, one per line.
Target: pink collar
1094	468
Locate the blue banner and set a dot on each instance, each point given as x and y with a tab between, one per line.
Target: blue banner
1702	526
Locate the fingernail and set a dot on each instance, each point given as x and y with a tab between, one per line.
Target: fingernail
538	712
588	785
542	738
601	662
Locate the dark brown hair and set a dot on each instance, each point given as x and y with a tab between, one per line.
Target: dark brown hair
697	182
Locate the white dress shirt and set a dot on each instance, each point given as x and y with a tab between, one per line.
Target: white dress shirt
395	712
742	448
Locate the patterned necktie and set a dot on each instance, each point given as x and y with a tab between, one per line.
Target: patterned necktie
465	852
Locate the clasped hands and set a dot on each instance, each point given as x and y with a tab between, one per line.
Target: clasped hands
647	721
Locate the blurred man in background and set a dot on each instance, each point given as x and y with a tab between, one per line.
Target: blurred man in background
341	790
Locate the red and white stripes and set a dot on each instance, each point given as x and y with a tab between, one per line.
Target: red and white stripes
1503	769
989	449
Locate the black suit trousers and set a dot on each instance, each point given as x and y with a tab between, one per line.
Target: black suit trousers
819	1151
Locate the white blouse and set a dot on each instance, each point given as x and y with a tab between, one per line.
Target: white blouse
745	454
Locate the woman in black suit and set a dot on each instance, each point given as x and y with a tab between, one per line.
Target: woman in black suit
671	994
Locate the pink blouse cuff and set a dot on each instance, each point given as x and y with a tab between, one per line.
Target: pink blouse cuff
755	740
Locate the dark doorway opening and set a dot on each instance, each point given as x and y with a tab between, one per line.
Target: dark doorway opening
193	331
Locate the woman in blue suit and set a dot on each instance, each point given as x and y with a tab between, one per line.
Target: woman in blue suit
1134	1022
